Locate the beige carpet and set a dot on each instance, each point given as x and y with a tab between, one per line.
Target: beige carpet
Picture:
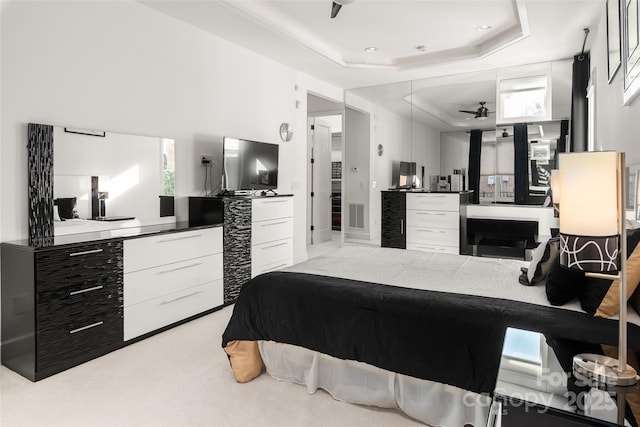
180	377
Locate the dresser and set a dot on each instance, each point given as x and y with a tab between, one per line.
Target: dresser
433	222
271	234
84	295
61	306
424	221
171	277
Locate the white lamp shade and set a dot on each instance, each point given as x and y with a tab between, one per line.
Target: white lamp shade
589	226
588	193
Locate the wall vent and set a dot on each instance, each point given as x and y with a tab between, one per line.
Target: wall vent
356	215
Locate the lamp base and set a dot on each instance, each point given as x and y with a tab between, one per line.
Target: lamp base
602	371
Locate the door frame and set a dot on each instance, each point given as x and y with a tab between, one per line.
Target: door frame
310	117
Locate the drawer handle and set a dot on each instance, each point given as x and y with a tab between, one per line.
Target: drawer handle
180	238
273	223
424	196
430	213
93	251
179	268
432	248
432	231
273	201
93	325
179	298
95	288
274	246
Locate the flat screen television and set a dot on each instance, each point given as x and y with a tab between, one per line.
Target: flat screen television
249	165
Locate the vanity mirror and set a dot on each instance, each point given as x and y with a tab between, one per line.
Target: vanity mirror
100	181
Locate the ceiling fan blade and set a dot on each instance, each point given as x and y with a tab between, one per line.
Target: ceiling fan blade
335	8
467	111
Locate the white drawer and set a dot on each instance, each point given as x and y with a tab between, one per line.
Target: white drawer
271	267
268	231
272	252
433	236
147	252
433	219
271	208
434	201
156	313
433	248
150	283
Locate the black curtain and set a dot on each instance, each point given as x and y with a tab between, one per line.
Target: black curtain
579	106
562	142
521	163
475	149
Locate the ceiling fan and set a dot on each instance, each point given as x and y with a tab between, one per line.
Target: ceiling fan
337	5
481	113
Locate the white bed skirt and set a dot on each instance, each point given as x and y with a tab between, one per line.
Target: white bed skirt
355	382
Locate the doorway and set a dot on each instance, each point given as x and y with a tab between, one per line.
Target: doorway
325	153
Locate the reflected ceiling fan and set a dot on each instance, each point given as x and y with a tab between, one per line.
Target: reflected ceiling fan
337	5
481	113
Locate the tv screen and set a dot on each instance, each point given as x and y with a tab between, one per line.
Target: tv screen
249	165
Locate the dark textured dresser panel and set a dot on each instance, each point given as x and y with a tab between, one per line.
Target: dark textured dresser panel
79	266
79	301
394	224
237	246
40	196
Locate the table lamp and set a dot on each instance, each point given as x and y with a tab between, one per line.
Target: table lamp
593	239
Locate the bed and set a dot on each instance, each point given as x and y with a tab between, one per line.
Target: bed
398	328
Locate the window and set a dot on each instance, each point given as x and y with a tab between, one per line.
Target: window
524	99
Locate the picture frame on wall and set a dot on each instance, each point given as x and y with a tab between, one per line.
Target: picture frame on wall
630	50
613	38
540	153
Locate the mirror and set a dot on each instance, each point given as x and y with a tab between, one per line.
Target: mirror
432	119
116	180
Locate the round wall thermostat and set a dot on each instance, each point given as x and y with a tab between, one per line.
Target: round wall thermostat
285	132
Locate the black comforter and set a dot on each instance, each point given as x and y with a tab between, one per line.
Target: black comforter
444	337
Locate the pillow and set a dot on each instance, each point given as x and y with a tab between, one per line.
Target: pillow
543	258
245	359
609	304
56	214
66	207
563	284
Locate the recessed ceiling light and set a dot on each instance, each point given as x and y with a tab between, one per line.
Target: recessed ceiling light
370	49
484	27
421	48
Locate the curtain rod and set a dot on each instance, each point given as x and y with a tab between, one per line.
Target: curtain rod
584	43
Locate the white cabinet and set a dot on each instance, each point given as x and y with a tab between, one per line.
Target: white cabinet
433	222
271	234
170	277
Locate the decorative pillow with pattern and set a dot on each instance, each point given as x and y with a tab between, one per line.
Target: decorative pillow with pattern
543	258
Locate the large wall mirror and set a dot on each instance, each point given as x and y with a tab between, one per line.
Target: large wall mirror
106	181
432	120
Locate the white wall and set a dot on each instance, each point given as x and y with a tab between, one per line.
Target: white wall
123	67
617	126
357	169
454	151
402	140
425	150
